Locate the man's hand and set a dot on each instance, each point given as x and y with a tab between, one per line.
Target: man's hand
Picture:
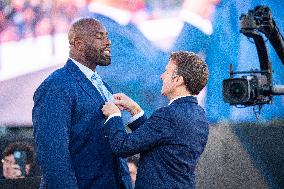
126	103
110	108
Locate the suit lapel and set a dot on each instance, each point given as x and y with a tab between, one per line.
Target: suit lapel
84	82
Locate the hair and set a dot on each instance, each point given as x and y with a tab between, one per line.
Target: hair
20	146
134	159
193	70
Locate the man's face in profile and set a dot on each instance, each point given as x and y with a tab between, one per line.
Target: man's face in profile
8	161
167	78
11	170
97	47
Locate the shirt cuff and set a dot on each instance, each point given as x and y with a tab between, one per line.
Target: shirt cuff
135	117
113	115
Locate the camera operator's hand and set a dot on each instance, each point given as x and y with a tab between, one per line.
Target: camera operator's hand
126	103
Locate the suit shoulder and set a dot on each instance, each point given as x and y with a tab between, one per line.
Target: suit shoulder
164	113
187	111
56	81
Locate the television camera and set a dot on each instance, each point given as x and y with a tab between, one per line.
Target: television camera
254	87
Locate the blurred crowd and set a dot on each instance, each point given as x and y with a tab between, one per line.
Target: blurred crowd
31	18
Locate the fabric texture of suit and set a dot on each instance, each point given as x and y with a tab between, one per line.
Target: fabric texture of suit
71	145
169	142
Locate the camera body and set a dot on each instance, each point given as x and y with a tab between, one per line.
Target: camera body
255	87
246	90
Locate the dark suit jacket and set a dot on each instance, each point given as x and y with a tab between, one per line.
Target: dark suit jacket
70	142
169	142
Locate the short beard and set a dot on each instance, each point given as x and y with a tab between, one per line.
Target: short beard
103	60
96	57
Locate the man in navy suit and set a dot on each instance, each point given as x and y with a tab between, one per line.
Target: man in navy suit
172	139
71	144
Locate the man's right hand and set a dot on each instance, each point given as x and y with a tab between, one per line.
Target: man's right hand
126	103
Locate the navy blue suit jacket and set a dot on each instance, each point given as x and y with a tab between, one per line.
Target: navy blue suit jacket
71	145
169	142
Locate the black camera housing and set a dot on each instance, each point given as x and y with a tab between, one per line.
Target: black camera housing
246	90
255	87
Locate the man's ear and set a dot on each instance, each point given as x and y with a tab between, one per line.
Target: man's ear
179	80
78	43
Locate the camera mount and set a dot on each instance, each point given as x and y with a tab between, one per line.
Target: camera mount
254	87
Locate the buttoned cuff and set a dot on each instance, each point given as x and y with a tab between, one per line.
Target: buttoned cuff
113	115
135	117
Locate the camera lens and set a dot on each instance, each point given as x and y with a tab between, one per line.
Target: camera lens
237	90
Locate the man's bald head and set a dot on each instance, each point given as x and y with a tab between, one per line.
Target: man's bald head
89	43
83	28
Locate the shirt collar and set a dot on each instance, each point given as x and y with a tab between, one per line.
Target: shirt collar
86	71
196	20
123	17
178	97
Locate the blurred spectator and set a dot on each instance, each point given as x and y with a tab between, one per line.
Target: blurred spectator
20	19
12	170
132	162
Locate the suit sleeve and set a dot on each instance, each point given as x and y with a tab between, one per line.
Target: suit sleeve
155	131
51	121
137	123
